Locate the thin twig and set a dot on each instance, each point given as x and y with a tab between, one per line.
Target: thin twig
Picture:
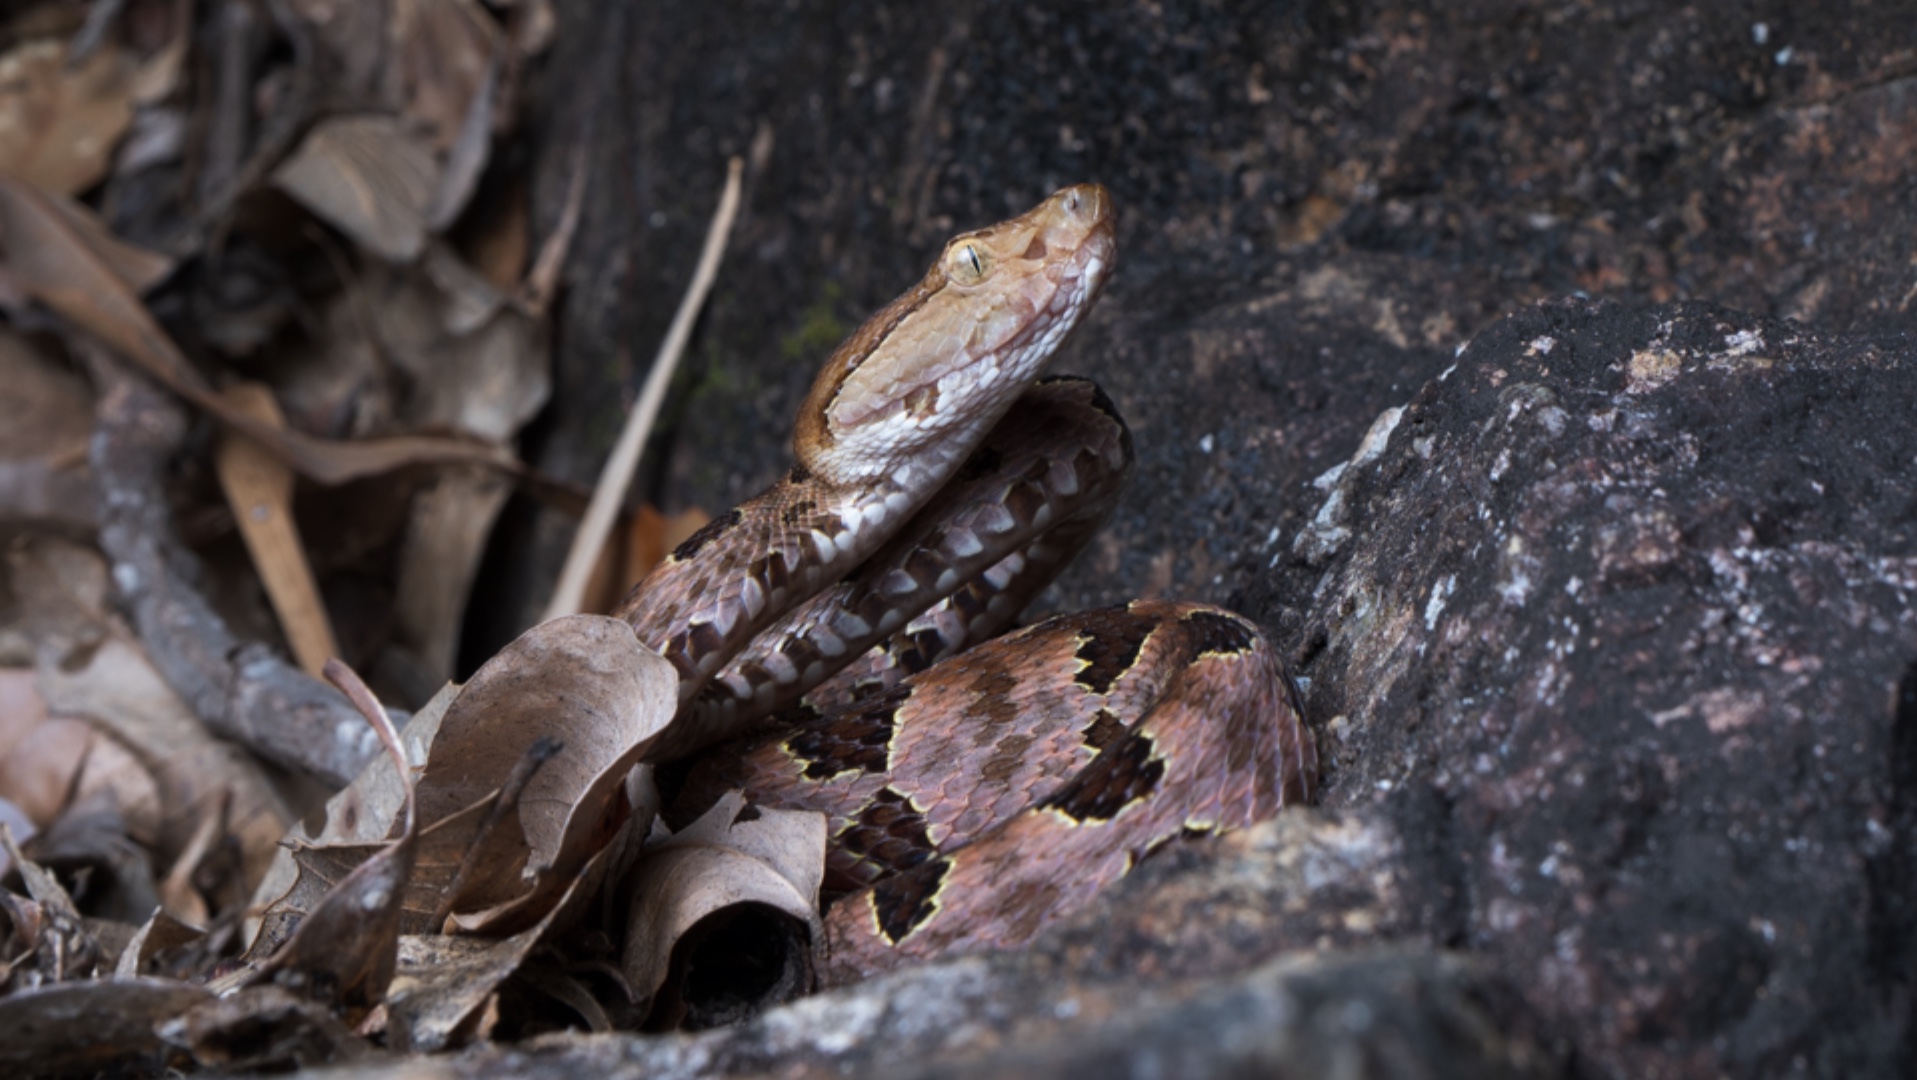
617	475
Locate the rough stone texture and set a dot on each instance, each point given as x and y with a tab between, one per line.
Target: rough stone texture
1626	607
1242	957
1672	813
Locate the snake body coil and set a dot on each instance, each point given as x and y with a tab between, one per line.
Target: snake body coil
972	795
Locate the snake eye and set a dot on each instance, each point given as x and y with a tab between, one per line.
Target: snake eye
966	264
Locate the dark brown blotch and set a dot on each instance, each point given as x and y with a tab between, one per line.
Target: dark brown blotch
993	693
799	513
984	461
1023	499
1008	758
1113	638
1123	774
804	712
1218	633
903	902
972	598
771	570
702	639
857	740
1186	832
1105	729
1104	404
918	650
707	533
889	835
923	565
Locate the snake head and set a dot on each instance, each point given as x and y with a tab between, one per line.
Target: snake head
923	380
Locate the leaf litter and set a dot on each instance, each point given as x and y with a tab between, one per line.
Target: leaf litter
369	319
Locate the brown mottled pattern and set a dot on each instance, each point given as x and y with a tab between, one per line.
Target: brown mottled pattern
1046	717
1215	745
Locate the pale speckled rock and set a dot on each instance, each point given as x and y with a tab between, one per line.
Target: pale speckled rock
1624	633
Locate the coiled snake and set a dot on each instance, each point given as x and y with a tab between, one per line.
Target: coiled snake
940	484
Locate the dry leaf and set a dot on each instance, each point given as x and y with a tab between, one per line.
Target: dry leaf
136	267
61	946
22	709
364	812
776	859
91	845
477	364
354	34
346	946
421	60
533	26
445	983
446	536
60	123
113	772
335	380
41	769
442	52
89	666
160	934
584	681
180	896
259	488
47	258
16	819
467	156
36	768
501	243
46	417
368	177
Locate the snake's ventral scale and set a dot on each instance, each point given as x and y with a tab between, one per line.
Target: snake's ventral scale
977	786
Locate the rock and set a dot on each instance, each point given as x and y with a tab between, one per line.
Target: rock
1215	958
1623	633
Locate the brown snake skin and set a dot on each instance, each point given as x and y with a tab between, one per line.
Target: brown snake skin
971	795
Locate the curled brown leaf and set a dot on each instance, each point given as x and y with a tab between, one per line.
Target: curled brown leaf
720	863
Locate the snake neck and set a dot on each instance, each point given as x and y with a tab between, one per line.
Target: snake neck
739	574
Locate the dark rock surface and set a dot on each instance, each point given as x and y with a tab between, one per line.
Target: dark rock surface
1621	628
1244	957
1612	637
